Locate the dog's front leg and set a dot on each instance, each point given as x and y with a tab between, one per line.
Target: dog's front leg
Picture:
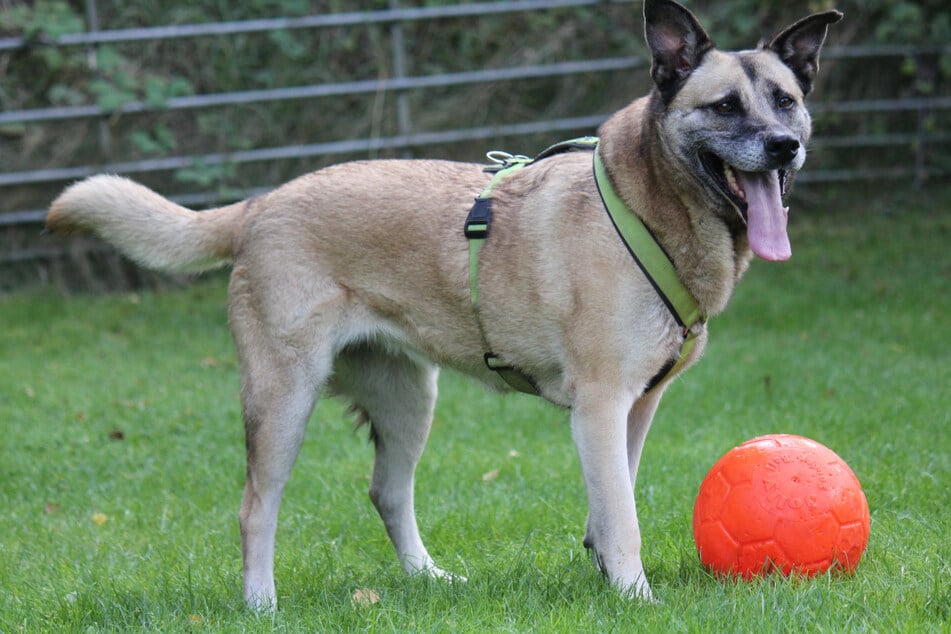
599	421
638	424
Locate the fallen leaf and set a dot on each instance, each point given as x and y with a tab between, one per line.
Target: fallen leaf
209	362
99	518
363	597
490	475
51	508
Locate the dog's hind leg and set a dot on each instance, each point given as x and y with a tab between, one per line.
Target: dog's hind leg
278	399
396	391
281	376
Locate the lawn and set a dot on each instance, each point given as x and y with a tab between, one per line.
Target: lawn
122	462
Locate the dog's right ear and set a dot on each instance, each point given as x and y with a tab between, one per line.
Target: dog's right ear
677	43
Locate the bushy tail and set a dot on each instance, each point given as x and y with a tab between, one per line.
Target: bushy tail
146	227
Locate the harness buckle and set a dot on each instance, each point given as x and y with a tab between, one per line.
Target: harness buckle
515	378
479	219
493	362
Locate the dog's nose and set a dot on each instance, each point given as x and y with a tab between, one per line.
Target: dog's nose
782	148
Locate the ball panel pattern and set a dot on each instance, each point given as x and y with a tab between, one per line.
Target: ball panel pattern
780	503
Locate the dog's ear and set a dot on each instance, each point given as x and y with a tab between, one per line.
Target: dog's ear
677	43
798	46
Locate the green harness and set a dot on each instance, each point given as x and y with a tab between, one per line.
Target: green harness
640	243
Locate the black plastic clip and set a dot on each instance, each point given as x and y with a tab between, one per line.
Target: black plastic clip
516	379
479	219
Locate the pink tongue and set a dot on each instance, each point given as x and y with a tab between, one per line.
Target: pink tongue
766	217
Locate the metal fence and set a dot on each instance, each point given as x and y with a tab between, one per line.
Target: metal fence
921	137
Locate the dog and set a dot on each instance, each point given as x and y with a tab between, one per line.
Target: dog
355	280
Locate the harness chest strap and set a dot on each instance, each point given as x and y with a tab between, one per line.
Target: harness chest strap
656	266
640	243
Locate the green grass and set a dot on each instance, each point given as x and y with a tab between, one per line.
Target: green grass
126	406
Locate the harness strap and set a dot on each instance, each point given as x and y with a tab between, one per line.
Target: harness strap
640	243
477	227
656	266
647	253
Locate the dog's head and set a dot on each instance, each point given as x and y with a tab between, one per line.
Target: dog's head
736	122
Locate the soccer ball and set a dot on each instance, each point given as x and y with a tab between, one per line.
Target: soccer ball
780	503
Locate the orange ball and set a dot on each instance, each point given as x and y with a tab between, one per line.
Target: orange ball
780	503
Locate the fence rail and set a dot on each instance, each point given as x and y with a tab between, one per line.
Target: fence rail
392	84
398	85
384	16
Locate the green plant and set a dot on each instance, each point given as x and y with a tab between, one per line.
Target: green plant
44	73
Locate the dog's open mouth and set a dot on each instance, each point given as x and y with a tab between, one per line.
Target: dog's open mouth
758	197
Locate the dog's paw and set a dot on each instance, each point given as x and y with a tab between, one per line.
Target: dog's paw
640	590
435	572
262	603
636	589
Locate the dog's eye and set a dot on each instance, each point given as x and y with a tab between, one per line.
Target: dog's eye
727	106
785	102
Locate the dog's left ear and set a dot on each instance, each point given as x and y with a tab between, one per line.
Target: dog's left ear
798	46
677	43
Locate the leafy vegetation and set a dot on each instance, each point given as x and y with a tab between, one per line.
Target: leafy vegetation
122	462
113	75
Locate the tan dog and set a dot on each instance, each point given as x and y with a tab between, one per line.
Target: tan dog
353	280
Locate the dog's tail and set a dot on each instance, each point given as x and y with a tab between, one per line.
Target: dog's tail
146	227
